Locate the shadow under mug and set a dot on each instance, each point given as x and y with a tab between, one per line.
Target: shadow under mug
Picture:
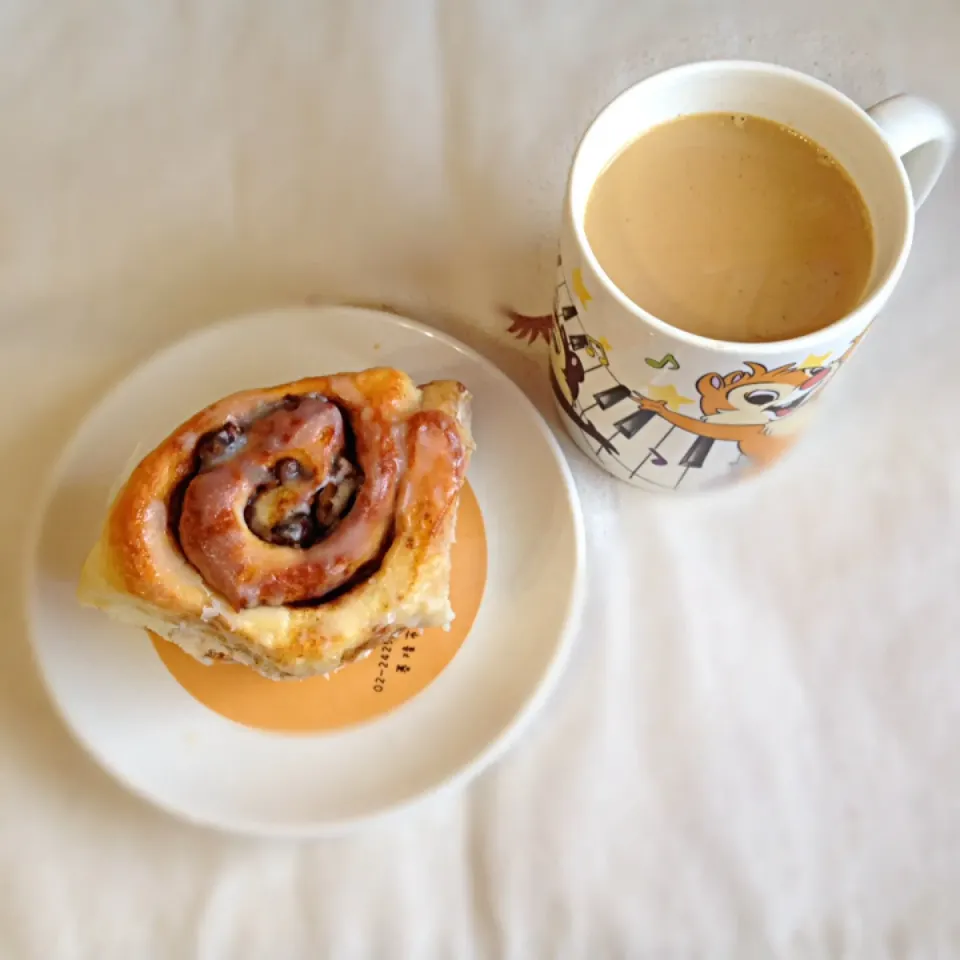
664	409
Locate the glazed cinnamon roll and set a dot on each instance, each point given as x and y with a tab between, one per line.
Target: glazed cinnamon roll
294	527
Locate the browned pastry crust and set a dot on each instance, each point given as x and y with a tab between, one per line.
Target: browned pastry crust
226	540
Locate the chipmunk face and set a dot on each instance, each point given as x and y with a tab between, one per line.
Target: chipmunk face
760	396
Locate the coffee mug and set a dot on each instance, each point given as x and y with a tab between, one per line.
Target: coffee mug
664	409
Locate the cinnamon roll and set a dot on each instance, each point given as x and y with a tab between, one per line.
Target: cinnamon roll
292	528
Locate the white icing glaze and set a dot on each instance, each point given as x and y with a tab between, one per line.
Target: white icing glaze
213	610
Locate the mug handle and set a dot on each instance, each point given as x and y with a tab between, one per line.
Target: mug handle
920	134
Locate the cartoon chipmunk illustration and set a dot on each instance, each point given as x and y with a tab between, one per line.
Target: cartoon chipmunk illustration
747	407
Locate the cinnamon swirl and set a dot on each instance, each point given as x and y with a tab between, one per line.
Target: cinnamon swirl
294	527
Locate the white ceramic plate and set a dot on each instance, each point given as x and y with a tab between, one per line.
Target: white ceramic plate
126	709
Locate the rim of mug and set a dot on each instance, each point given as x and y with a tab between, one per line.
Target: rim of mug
857	319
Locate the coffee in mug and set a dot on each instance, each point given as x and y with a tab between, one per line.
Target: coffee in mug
732	227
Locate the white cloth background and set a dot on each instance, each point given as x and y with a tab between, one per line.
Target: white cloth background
755	753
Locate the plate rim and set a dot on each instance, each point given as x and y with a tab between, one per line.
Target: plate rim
459	775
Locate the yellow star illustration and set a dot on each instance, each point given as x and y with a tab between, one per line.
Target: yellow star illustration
605	343
579	288
814	361
669	394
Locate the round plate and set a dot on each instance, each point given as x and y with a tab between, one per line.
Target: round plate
126	709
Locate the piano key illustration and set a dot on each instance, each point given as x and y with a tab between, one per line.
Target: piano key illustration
697	453
676	453
632	424
605	399
641	442
610	408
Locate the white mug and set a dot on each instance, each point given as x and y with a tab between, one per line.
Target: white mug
665	409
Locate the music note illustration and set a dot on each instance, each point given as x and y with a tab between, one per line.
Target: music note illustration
669	361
